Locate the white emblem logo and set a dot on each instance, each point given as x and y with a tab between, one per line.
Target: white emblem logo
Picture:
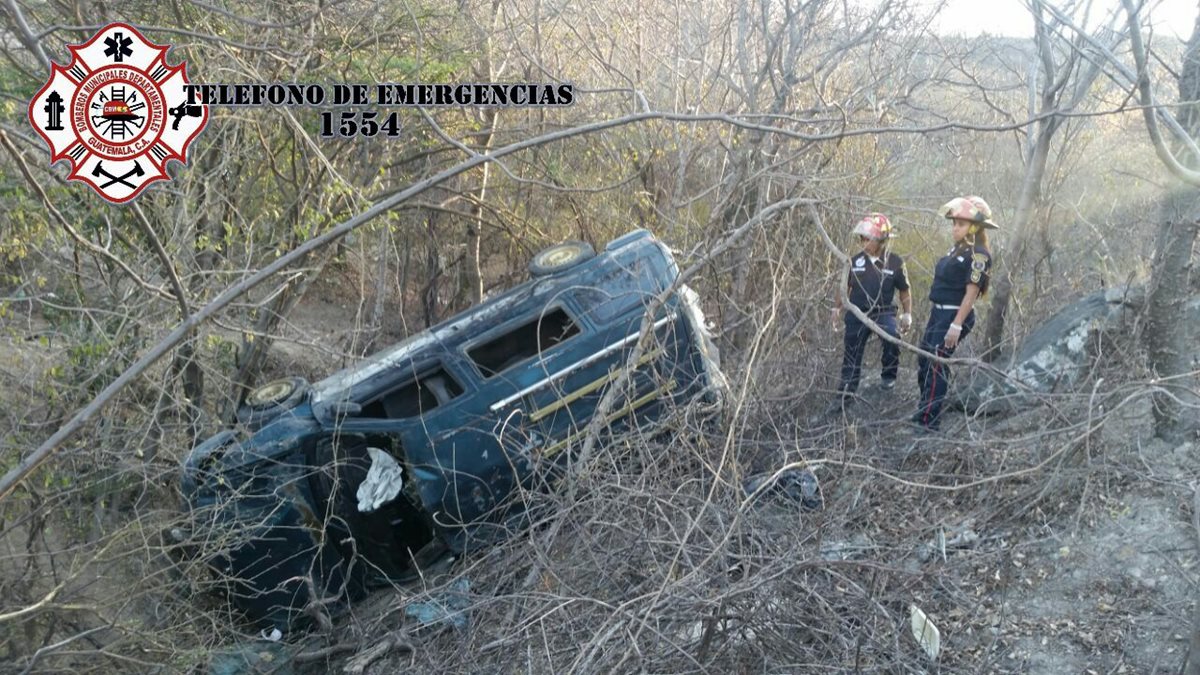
117	113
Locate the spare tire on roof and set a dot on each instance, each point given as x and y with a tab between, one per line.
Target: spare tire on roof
560	257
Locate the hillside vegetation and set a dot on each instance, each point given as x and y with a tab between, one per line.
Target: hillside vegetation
1059	538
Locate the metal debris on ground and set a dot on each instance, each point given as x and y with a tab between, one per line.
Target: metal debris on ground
445	607
960	538
856	548
797	485
926	634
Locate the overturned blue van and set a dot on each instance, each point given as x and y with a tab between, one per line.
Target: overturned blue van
323	491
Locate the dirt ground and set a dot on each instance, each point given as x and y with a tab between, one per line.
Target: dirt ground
1099	575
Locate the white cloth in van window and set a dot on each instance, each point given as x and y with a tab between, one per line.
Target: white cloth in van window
383	481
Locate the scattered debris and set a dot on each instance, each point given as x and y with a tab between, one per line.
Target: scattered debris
252	658
797	485
960	537
926	634
858	547
395	640
447	607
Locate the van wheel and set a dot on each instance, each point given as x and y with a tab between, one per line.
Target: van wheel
560	257
284	392
270	400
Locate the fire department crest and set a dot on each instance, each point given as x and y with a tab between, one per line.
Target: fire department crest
118	113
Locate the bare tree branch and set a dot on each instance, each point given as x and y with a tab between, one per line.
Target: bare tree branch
25	35
1147	98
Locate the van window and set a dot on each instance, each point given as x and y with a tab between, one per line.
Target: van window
433	387
529	339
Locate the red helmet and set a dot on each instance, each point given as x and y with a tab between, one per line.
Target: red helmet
874	226
970	208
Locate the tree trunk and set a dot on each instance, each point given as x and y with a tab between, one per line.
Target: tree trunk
1019	237
433	268
253	355
1062	86
1189	85
489	118
1169	338
379	304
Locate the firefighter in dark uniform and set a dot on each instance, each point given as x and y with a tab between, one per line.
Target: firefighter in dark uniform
876	275
959	279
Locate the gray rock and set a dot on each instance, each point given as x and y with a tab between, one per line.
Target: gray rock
1052	358
1130	296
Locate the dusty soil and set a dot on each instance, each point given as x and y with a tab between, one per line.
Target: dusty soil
1095	573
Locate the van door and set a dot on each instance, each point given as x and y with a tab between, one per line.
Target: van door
567	405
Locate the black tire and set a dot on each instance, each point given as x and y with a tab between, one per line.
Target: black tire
560	257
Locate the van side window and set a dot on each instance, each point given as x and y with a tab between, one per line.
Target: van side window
433	387
529	339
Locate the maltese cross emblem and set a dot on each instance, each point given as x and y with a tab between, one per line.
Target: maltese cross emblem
118	113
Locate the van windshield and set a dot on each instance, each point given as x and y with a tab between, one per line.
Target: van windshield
421	391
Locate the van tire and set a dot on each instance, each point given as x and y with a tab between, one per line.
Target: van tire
261	408
560	257
284	392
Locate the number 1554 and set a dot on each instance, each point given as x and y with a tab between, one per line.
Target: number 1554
355	123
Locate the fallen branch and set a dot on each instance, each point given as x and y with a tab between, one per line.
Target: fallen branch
392	641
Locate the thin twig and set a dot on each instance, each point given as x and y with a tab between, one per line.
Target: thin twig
62	221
